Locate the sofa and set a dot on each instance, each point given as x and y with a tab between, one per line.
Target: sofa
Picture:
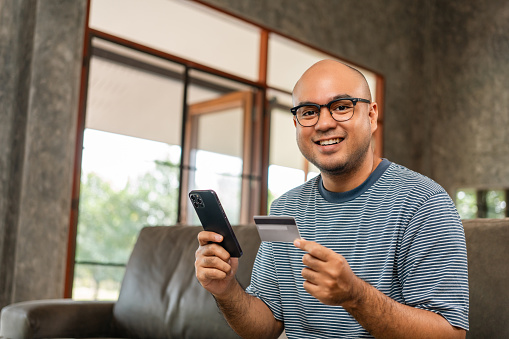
488	277
161	298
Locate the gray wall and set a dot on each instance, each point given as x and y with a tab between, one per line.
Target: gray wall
470	120
40	63
446	104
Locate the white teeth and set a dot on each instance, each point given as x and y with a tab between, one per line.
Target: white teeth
329	142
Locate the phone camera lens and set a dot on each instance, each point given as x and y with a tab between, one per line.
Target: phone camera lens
197	201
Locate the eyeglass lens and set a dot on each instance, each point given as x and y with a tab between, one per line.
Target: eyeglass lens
341	110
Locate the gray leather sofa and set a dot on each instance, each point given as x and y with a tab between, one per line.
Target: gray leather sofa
488	277
161	298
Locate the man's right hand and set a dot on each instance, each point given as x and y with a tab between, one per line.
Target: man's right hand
215	269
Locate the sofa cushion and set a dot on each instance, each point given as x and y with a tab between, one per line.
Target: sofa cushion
160	296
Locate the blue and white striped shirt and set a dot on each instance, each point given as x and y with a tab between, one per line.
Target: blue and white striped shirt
399	231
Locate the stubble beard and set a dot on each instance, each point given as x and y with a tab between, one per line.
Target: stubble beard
352	162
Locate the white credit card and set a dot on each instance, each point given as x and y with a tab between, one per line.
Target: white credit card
272	228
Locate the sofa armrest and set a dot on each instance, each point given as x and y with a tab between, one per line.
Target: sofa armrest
56	318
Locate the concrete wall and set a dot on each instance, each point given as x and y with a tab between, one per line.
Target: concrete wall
447	93
470	120
40	65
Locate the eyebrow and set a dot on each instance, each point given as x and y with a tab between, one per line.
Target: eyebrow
339	96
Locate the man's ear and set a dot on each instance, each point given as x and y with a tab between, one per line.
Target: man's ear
294	121
373	116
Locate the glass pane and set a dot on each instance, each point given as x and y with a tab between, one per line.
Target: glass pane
313	172
127	183
130	161
184	29
221	173
143	101
96	282
205	86
216	161
281	180
283	146
284	71
466	203
221	132
286	161
496	204
283	119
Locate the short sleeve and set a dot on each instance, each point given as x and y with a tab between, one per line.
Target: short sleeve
264	284
432	261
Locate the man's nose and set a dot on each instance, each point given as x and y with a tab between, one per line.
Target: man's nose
325	120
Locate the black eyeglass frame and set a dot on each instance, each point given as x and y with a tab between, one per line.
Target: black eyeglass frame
328	105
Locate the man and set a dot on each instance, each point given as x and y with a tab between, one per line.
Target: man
384	254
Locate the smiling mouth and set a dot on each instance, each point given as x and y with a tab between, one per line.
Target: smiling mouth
329	142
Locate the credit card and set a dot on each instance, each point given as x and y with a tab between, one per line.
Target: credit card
277	228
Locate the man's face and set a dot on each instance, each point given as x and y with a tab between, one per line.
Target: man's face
335	147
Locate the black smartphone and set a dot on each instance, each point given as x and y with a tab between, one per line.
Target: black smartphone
212	217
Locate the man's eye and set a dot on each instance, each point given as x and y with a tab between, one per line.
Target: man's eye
340	108
308	113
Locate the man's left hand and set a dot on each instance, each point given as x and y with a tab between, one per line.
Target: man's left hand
328	276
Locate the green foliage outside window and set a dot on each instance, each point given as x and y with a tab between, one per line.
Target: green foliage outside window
496	204
466	203
472	203
110	220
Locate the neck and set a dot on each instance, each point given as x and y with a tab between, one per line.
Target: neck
349	180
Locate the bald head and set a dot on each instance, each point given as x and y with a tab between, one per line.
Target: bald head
327	74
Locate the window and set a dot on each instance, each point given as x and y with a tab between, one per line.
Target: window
482	203
167	111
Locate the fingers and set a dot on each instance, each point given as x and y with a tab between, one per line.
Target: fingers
320	286
310	275
212	260
316	250
205	237
327	275
313	262
212	268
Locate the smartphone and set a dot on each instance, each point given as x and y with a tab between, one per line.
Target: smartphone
212	217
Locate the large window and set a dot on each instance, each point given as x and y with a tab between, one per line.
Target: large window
172	106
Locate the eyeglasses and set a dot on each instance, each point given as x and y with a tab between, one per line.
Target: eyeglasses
340	109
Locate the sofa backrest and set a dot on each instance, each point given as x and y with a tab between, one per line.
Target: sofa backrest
160	296
488	277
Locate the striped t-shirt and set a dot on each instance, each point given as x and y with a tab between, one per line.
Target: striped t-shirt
399	231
